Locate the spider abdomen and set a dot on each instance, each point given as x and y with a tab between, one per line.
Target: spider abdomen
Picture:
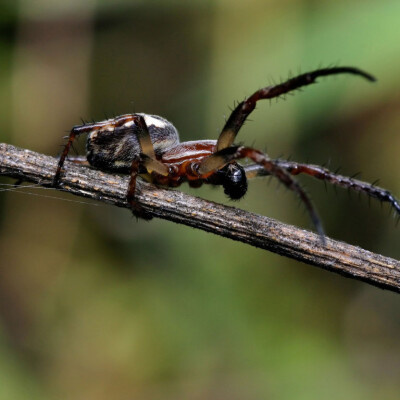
112	144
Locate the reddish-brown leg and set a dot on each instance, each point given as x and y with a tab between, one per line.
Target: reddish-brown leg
136	208
244	108
324	174
75	132
63	156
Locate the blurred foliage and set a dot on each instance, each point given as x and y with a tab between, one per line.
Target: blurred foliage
94	305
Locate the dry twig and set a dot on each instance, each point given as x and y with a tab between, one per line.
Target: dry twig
229	222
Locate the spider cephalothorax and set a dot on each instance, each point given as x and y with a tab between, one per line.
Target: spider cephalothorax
148	145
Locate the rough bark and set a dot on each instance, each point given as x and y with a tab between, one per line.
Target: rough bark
230	222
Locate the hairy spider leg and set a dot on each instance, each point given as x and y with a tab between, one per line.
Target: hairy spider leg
75	131
244	108
146	159
324	174
147	154
222	157
136	208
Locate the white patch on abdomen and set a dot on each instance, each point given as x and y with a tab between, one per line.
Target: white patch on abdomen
153	121
128	124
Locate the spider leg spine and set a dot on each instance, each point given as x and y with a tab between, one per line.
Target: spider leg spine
247	106
339	180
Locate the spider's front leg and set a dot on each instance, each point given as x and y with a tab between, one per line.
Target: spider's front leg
246	107
316	171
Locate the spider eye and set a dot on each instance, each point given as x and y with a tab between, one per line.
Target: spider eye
234	181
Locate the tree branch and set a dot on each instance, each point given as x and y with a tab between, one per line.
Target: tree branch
229	222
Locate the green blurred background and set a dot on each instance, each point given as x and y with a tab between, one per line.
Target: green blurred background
94	305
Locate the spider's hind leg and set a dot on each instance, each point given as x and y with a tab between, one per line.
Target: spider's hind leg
75	131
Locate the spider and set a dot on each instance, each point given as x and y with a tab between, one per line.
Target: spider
148	145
